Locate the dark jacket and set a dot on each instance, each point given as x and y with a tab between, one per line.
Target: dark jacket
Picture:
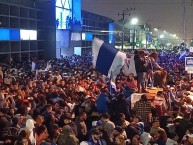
140	65
120	106
67	137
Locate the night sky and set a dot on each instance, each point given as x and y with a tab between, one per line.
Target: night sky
163	14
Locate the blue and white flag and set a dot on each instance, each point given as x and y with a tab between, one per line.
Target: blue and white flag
106	58
48	67
183	55
33	66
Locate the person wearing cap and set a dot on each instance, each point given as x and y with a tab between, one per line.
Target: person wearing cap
95	137
87	103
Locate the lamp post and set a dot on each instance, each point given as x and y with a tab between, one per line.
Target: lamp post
147	35
123	14
156	31
134	21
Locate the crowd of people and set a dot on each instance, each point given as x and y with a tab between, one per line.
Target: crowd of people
72	104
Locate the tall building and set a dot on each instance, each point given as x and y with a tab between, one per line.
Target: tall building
48	29
94	25
27	29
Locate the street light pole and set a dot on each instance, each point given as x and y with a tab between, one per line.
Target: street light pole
134	38
123	14
146	36
146	40
134	21
122	38
184	20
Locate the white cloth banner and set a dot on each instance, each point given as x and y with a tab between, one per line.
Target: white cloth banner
129	67
134	98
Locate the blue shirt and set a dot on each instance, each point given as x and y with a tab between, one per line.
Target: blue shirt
102	103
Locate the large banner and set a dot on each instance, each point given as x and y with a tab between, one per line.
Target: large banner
189	64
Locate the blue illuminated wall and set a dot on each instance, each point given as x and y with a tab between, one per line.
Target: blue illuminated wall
111	33
76	14
4	34
15	35
87	36
77	10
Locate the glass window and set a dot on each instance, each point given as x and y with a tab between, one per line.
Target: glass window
63	13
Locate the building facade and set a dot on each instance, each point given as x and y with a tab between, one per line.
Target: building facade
94	25
26	30
31	29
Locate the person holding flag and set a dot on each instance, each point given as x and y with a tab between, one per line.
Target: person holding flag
108	61
34	68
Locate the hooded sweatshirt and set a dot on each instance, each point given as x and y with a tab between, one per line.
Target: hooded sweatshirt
30	126
67	137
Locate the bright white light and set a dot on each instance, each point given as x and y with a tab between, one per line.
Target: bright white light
134	21
162	36
143	42
164	31
83	36
155	29
32	34
174	35
24	35
28	35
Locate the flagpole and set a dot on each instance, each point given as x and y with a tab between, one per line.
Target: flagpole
110	82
